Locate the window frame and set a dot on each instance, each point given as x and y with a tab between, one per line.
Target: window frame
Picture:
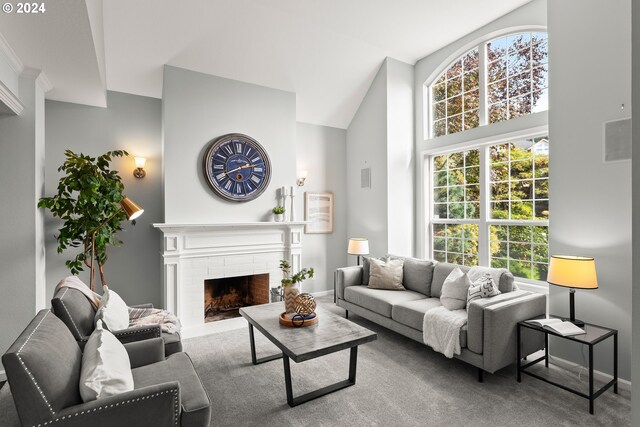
481	44
485	221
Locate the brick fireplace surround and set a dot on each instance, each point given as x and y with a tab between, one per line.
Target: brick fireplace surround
193	253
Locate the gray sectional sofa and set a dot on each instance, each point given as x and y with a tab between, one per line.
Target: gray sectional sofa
488	340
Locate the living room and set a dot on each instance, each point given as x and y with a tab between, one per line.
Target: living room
341	96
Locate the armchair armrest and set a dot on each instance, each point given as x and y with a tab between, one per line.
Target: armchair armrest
138	333
145	352
347	276
153	406
499	332
147	305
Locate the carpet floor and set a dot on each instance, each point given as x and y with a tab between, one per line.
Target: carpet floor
400	382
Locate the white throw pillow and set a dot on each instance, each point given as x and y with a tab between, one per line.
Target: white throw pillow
113	311
386	275
454	290
106	368
484	287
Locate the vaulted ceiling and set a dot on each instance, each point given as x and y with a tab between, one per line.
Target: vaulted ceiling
327	52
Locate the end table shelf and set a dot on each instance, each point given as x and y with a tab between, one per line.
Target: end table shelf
593	335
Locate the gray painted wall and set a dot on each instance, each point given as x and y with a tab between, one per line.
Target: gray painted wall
131	123
21	251
635	361
590	199
367	148
198	108
322	151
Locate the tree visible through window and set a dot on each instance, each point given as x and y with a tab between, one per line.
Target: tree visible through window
516	223
516	84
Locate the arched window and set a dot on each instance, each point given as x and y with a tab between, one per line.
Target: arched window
513	83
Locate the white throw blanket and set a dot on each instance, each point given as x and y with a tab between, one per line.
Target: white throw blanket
441	329
154	316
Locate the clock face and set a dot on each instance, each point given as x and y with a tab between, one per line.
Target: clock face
237	167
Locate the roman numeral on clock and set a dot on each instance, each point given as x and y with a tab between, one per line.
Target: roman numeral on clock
238	148
221	176
227	186
228	149
218	166
255	179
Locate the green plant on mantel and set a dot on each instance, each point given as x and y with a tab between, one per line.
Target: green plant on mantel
278	210
87	201
300	276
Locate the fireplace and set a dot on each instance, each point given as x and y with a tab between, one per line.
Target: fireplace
224	297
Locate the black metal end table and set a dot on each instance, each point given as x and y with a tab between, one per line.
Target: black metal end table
592	336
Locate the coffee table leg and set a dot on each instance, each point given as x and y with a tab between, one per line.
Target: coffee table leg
254	359
295	401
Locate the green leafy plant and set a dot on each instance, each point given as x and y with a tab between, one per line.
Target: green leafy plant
290	280
278	210
88	200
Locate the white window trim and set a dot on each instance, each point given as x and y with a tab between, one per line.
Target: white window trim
425	249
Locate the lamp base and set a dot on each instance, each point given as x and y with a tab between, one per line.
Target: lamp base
578	323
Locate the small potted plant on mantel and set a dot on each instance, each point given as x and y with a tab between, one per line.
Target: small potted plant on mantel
290	283
278	213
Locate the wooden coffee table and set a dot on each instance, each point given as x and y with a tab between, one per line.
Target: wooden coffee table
332	333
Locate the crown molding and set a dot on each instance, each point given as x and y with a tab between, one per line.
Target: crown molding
10	100
10	55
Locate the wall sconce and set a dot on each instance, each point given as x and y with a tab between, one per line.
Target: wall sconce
302	175
139	172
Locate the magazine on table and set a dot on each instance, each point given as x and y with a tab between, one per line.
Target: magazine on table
558	326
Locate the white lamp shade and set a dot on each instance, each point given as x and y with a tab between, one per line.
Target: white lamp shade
572	272
140	162
358	246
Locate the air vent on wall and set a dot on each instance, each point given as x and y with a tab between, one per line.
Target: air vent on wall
365	178
617	140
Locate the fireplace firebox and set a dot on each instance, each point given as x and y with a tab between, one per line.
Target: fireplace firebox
224	297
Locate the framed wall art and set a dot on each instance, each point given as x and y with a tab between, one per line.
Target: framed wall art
318	211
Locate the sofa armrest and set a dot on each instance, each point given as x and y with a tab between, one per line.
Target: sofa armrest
138	333
145	352
500	323
147	305
153	406
347	276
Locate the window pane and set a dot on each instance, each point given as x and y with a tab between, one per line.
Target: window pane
540	101
454	86
454	105
439	244
499	263
440	210
440	162
522	190
471	60
500	191
454	124
541	253
471	80
439	92
456	193
519	106
440	256
540	271
456	210
440	178
542	209
472	210
440	194
471	100
454	70
472	158
522	210
471	119
498	112
500	210
456	160
497	91
519	84
440	111
473	193
456	176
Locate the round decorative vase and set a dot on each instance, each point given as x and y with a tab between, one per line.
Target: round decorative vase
278	217
290	294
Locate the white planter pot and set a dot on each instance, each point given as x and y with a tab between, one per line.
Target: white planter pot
278	217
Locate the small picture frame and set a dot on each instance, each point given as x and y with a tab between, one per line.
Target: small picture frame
318	211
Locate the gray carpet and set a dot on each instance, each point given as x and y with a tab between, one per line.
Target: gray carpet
400	382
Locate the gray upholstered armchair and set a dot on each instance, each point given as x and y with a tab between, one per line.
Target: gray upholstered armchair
73	308
43	369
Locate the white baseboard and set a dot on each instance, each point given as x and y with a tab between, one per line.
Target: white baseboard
322	293
600	376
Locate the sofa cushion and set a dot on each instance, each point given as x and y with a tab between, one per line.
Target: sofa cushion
366	262
386	274
417	274
113	311
378	300
501	276
411	313
195	402
455	290
440	272
106	368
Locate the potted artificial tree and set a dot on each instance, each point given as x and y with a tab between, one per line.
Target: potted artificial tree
291	283
91	205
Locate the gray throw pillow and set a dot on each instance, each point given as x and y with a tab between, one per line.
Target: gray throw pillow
417	275
455	289
386	275
366	262
484	287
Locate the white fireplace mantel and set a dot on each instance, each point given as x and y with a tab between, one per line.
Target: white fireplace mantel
193	253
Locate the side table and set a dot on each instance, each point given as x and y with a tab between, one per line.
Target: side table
592	336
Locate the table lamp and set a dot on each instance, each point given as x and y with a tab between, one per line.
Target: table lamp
358	246
574	272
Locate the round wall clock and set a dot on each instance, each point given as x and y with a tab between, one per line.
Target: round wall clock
237	167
